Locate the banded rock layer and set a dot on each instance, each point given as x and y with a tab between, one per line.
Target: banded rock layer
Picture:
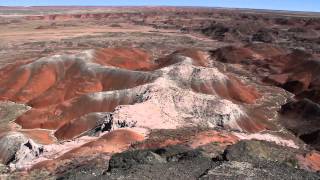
76	96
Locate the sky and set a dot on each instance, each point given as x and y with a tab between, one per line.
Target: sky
294	5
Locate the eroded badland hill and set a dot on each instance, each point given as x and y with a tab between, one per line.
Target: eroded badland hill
159	93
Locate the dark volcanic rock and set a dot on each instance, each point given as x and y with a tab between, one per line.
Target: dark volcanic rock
313	94
166	163
83	169
264	170
257	151
303	118
296	71
263	36
134	158
216	31
258	160
244	160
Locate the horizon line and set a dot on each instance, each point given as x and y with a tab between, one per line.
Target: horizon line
186	6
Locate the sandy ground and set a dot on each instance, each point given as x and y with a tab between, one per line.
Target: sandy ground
9	35
32	32
28	40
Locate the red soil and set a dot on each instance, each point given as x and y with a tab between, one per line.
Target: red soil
52	17
39	136
232	89
113	142
53	81
254	124
295	71
196	55
311	161
77	126
133	59
193	140
55	117
247	54
206	137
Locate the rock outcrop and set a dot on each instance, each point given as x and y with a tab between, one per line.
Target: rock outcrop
9	111
181	162
17	150
293	70
10	144
302	118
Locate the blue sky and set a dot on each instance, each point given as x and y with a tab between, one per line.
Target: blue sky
296	5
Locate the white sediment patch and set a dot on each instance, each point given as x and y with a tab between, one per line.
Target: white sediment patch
163	104
116	94
86	56
168	106
231	113
211	74
267	137
182	59
184	73
53	151
18	151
